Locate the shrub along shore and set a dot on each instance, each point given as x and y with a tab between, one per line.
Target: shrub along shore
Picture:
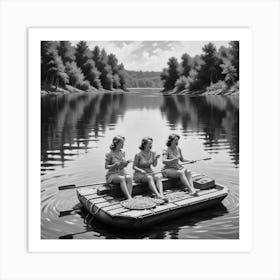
219	88
51	90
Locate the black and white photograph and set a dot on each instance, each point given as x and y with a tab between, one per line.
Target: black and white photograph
140	139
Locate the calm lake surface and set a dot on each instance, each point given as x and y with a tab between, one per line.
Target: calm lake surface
77	130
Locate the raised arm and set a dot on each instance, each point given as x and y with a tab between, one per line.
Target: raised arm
165	159
108	164
155	159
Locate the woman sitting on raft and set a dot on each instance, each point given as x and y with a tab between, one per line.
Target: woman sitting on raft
143	171
172	168
115	163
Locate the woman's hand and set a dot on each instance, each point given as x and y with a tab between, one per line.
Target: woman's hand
177	158
116	164
143	172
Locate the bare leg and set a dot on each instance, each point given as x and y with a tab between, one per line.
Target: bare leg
159	184
152	186
121	180
186	183
181	175
189	177
128	179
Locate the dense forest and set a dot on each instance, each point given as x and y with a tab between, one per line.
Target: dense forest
212	70
143	79
63	64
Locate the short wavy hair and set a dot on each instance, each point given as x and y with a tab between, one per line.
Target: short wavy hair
171	137
144	142
116	141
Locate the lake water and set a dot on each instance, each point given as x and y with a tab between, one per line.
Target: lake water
77	130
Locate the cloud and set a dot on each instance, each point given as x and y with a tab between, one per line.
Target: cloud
151	55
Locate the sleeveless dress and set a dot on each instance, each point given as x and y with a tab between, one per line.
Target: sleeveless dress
111	158
171	166
144	162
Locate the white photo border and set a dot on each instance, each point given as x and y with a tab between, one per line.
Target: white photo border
243	35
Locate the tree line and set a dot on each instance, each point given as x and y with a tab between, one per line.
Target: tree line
64	64
210	68
143	79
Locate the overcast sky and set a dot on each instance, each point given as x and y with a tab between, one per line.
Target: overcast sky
151	55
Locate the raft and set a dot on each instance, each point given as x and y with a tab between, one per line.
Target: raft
105	202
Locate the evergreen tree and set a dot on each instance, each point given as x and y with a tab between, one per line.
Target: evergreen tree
96	55
105	70
91	73
123	76
48	51
83	53
66	51
210	71
234	51
186	65
171	74
52	68
56	70
76	77
113	62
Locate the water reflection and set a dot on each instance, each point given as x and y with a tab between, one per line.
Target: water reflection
214	118
169	229
69	123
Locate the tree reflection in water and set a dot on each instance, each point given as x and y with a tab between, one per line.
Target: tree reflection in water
215	117
69	123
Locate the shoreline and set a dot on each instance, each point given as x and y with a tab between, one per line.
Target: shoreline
232	91
69	90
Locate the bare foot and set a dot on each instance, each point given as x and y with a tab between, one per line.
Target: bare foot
194	193
165	199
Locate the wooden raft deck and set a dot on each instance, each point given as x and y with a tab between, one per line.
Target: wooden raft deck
105	204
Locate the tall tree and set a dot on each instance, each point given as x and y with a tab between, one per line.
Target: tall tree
105	70
96	54
48	51
91	73
210	71
56	70
66	51
52	68
123	76
83	53
113	62
171	74
76	77
186	65
234	51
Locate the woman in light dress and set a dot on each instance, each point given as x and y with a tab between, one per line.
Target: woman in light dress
143	171
115	163
172	168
